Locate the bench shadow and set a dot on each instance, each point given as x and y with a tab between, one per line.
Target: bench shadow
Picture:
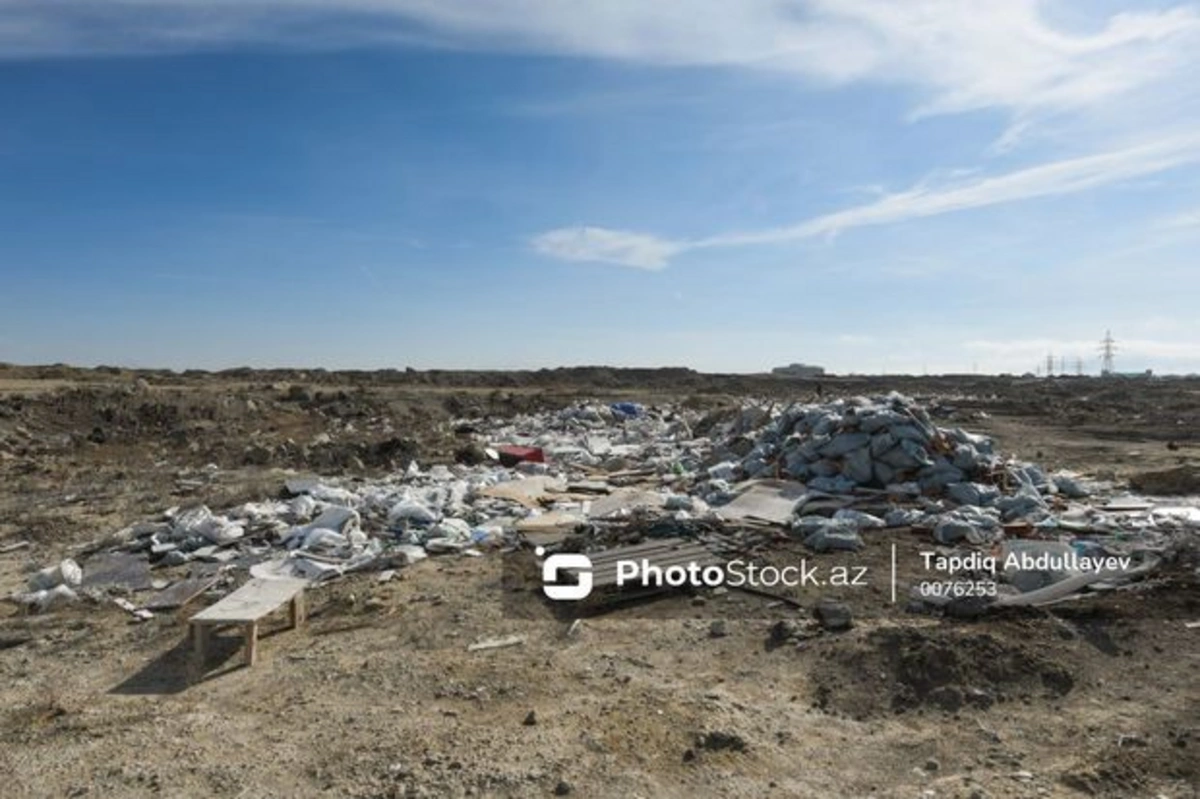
176	670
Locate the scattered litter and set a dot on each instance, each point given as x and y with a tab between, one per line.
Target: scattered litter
181	593
833	616
122	570
496	643
65	573
139	614
766	500
833	475
47	598
511	456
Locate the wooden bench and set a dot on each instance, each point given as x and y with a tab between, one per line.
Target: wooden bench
246	607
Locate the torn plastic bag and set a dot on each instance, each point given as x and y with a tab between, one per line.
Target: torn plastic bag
66	572
408	511
860	519
1032	579
839	484
972	493
1070	486
903	517
200	521
828	541
47	598
627	410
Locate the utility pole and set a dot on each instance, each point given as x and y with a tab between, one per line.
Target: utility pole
1108	346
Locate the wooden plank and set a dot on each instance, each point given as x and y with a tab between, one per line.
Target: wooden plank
668	556
550	522
545	538
639	550
654	543
607	577
662	553
181	593
588	487
200	642
251	602
117	568
529	491
299	611
771	501
250	630
628	498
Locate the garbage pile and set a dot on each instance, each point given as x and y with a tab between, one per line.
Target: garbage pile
842	445
828	473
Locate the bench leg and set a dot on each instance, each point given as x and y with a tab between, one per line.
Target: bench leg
251	632
298	610
200	643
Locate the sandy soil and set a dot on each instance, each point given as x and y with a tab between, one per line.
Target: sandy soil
378	695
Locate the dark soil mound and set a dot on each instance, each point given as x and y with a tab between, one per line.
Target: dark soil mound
894	671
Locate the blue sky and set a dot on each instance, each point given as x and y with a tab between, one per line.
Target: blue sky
938	185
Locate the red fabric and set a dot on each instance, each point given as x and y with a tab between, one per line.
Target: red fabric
518	454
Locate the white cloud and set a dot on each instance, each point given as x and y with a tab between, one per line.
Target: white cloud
603	245
1183	220
1045	180
961	54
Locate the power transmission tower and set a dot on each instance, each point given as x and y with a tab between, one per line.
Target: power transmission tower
1078	366
1050	365
1108	346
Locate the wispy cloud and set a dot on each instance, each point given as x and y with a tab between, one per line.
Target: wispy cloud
1183	220
1045	180
636	250
961	54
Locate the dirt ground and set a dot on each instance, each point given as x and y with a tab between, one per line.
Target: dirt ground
719	694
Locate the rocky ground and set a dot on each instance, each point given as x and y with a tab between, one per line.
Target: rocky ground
719	694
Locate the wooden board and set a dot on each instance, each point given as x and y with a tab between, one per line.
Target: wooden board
529	491
118	568
251	602
772	501
550	522
625	499
663	553
181	593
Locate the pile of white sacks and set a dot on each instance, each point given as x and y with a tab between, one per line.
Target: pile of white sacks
946	479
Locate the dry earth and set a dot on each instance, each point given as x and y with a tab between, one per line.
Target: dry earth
379	696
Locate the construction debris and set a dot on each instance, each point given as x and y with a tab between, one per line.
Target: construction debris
829	475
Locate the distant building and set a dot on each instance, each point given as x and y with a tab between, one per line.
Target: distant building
798	370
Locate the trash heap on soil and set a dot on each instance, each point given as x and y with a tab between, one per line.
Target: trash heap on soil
828	473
